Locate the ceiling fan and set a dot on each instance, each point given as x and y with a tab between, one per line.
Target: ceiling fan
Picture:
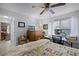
47	6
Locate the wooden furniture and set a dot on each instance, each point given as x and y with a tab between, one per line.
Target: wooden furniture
0	35
3	35
3	31
34	35
22	40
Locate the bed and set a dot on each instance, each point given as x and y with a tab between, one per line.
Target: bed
41	47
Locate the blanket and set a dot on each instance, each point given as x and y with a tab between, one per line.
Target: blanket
41	47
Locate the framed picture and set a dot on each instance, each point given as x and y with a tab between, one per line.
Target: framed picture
45	26
21	24
31	28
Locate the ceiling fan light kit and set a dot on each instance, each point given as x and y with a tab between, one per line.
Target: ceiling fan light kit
51	11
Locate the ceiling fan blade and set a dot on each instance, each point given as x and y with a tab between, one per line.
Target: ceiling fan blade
38	6
51	11
42	11
59	4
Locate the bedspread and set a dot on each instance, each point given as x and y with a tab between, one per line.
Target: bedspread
42	48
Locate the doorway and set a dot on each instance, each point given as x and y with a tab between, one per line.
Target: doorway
4	31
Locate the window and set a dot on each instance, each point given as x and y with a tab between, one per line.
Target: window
64	25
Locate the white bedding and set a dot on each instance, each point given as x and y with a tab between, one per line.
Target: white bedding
20	49
41	47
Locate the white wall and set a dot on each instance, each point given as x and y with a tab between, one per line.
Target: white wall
75	26
49	29
13	19
18	30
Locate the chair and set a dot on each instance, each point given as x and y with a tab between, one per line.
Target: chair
71	40
57	39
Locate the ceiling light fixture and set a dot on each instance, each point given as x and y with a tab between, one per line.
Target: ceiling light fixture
6	17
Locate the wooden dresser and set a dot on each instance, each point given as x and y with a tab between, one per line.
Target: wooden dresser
34	35
3	35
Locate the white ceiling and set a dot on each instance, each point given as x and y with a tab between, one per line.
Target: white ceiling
26	8
22	8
